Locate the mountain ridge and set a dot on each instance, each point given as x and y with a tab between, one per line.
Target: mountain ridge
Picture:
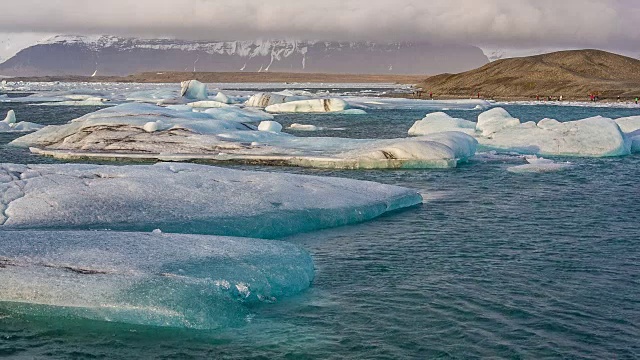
114	56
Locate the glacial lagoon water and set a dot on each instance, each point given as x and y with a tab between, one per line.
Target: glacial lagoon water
492	265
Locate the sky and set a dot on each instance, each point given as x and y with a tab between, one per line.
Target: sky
507	26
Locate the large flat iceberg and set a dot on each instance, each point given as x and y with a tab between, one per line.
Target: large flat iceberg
497	130
187	198
155	279
119	133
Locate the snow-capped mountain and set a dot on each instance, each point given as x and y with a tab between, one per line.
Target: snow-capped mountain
109	55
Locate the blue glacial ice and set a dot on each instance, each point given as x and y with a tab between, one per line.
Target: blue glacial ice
221	135
187	198
154	279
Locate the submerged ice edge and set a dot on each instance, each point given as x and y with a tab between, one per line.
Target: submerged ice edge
169	280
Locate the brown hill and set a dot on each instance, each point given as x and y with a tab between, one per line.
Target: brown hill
571	74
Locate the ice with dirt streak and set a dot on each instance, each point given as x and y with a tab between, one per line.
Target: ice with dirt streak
152	279
119	133
187	198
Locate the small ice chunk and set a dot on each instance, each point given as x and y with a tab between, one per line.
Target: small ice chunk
539	165
222	98
194	89
272	126
151	126
10	118
302	127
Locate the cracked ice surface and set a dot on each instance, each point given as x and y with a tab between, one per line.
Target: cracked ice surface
187	198
190	281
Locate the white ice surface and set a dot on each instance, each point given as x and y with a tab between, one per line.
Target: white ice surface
497	130
117	133
153	279
309	106
187	198
494	120
440	122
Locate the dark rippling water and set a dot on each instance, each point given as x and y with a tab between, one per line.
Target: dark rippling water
493	265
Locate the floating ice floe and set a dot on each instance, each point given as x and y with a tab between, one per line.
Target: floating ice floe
264	100
187	198
151	279
309	106
207	104
194	90
539	165
498	130
440	122
10	124
89	101
415	104
118	133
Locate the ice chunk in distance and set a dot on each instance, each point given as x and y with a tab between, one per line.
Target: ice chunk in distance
539	165
272	126
264	100
154	279
10	118
10	124
309	106
440	122
187	198
194	90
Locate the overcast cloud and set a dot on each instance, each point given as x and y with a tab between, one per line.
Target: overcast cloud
508	23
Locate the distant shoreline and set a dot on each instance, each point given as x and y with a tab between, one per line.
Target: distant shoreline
233	77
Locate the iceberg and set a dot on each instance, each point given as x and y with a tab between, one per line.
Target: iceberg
440	122
151	279
194	90
118	133
263	100
222	98
309	106
497	130
631	128
596	137
10	124
187	198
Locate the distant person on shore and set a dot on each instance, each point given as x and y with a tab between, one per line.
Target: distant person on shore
619	98
478	95
431	95
636	101
537	97
560	98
